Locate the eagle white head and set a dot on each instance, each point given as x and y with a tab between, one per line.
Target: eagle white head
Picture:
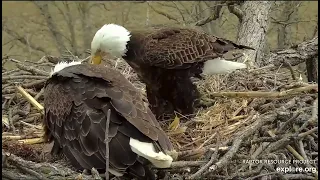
111	39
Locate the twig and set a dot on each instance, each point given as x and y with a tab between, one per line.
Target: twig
238	174
180	164
32	141
170	17
261	175
270	168
30	99
265	139
301	135
205	167
236	11
299	176
295	153
50	170
10	72
207	140
26	170
31	125
182	155
10	119
33	70
215	15
107	143
237	142
95	174
301	148
257	94
281	129
23	77
314	116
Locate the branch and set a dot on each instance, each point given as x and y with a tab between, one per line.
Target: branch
33	70
215	15
236	11
295	55
70	23
163	13
107	143
286	23
32	170
23	40
44	9
260	121
257	94
181	14
34	102
84	9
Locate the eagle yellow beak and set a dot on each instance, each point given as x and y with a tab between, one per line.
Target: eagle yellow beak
96	58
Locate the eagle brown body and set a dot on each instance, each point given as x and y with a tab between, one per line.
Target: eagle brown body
77	99
166	58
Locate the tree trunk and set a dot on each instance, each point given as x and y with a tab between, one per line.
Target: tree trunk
312	69
253	28
289	12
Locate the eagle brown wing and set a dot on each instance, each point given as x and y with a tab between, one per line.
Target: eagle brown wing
77	99
177	48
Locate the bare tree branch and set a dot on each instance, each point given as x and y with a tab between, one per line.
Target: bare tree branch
215	15
236	11
84	9
181	13
70	24
295	55
285	23
170	17
23	40
44	9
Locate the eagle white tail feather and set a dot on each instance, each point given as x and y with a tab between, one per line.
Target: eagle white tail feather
147	150
221	66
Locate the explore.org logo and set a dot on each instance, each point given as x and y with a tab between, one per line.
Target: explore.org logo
291	169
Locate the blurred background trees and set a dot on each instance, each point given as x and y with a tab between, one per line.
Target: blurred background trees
32	29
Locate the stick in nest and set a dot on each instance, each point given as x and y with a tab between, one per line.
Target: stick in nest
35	104
30	98
23	77
33	70
206	166
237	142
257	94
107	144
296	154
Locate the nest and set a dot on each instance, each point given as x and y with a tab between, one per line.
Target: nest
261	124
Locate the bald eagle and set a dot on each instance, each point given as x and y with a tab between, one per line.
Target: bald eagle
165	58
77	98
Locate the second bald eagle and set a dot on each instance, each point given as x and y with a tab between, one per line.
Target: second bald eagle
77	99
165	58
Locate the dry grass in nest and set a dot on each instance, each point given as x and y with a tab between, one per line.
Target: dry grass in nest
228	115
